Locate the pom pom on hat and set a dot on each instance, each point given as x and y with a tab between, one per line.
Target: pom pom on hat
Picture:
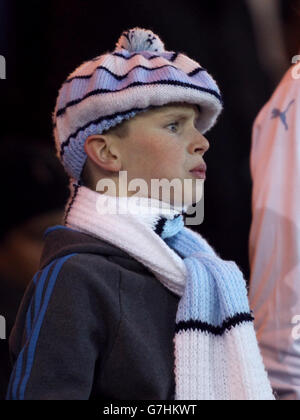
139	39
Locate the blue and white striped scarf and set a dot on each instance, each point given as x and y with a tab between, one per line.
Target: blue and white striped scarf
216	351
214	326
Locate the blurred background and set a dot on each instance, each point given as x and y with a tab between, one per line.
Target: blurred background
247	45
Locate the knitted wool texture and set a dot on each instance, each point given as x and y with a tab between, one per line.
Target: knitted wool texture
137	76
216	351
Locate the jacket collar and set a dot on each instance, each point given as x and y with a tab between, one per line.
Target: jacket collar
60	240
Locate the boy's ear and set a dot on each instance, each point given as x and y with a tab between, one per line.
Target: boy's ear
103	152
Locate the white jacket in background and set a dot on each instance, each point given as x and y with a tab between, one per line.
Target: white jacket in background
274	243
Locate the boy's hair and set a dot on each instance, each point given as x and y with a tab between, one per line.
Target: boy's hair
117	85
121	130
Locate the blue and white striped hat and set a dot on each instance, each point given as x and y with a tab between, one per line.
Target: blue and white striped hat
137	75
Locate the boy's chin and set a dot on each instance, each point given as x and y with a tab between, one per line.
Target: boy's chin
192	195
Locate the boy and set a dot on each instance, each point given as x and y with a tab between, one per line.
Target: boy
102	315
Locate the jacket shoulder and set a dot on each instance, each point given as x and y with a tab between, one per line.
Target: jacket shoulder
61	241
69	318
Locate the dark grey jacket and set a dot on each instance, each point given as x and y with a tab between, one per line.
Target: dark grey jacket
94	323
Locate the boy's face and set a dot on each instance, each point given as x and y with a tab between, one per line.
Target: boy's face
164	144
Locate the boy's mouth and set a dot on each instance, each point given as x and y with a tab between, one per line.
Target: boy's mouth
202	167
199	171
199	174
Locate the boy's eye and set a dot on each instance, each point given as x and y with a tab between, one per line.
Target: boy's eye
173	124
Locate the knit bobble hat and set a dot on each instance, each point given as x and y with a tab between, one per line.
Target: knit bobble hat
115	86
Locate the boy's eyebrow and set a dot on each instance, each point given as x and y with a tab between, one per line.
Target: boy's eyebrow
178	114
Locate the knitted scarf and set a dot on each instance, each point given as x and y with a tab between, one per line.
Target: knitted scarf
215	346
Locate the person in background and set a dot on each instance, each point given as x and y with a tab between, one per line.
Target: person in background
33	197
269	32
274	242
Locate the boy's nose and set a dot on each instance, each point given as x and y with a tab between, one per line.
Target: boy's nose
199	143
